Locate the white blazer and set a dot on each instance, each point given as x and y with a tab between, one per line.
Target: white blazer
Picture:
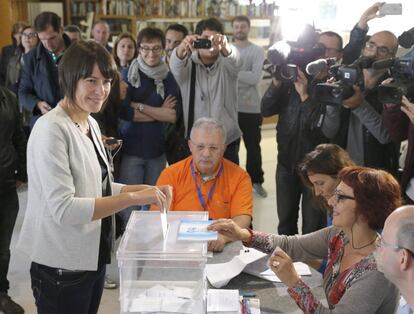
64	178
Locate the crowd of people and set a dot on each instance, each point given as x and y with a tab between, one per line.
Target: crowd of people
103	122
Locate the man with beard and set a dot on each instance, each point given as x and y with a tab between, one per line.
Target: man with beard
250	118
174	35
368	141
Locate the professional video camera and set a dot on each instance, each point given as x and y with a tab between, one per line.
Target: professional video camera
406	39
402	70
285	57
345	76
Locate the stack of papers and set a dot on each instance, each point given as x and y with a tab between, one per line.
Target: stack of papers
261	270
250	261
161	299
223	301
195	230
220	274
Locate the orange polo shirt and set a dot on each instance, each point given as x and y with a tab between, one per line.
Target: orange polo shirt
232	195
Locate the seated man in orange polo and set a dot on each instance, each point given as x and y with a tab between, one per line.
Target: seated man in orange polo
207	181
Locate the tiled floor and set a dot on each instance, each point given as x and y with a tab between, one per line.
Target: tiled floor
265	219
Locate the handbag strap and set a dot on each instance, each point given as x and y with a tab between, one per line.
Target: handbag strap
191	102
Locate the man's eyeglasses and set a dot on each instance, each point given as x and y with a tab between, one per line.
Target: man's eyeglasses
341	197
211	148
156	49
381	243
381	50
29	35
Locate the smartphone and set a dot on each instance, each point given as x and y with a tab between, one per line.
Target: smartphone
202	43
391	9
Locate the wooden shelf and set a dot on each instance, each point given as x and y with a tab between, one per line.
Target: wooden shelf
115	17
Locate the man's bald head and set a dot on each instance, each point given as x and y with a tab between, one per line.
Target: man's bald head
381	45
402	222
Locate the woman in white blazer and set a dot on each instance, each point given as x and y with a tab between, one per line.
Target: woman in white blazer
68	227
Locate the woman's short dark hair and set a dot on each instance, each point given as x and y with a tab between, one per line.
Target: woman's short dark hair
118	39
78	62
44	19
151	33
377	193
23	29
327	159
16	29
211	23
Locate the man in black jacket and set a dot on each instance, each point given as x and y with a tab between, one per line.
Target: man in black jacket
12	175
39	89
300	128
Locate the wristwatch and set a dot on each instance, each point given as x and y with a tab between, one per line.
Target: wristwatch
140	107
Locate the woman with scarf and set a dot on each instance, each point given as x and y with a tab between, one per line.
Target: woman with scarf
151	100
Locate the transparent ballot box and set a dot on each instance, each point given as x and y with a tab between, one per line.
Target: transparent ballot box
161	275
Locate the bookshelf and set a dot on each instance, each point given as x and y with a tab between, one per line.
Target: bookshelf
133	15
119	23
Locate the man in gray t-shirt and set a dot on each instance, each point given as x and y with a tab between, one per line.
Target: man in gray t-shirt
216	64
250	118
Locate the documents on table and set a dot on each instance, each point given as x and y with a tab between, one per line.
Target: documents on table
220	274
250	261
161	299
226	301
223	300
195	230
261	270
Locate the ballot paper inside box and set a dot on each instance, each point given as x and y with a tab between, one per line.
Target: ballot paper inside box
157	274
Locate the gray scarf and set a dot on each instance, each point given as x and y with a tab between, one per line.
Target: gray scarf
157	73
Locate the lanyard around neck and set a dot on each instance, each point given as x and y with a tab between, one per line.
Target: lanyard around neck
210	193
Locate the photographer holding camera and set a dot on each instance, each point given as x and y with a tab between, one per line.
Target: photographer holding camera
206	69
365	136
362	132
299	130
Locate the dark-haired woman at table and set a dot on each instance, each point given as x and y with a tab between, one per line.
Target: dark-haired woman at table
361	203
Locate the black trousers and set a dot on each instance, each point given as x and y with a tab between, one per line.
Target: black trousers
250	124
232	151
9	207
289	189
58	291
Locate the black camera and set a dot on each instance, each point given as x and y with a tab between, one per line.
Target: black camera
202	43
286	56
402	72
346	76
406	39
